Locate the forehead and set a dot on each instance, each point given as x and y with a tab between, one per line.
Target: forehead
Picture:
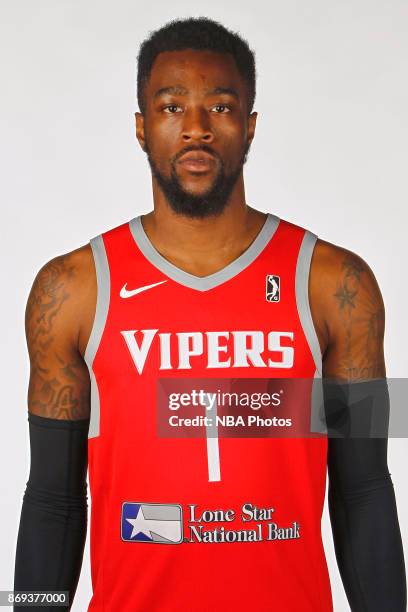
194	69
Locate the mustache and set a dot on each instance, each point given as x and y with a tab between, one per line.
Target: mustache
204	148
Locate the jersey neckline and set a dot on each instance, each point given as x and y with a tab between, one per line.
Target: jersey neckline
203	283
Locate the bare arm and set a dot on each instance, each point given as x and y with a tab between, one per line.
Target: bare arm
362	503
59	380
53	519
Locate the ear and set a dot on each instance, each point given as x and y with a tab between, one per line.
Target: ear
140	132
251	126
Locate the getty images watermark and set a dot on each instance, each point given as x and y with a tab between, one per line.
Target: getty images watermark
281	407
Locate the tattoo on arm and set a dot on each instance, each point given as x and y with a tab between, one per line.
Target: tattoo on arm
362	313
59	384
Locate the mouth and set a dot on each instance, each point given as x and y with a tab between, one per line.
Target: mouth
197	161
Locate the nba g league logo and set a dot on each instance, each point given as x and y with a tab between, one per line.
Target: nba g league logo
272	288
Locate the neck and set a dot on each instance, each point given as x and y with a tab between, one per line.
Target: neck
203	245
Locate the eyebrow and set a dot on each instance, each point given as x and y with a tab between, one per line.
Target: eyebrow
175	90
224	90
178	90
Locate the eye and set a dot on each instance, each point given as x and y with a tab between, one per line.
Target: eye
172	109
224	108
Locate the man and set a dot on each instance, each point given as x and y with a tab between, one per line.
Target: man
202	287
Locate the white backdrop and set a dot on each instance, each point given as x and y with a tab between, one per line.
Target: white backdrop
329	154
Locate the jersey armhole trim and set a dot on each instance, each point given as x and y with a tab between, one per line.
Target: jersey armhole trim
101	315
302	297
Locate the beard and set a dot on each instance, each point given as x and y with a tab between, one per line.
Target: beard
213	201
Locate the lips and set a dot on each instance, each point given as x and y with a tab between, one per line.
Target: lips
197	161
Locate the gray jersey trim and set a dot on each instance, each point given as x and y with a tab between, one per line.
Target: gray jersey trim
317	417
302	296
203	283
101	313
317	412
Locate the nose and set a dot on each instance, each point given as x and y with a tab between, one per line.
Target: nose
196	126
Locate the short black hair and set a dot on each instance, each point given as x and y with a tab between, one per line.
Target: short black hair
202	34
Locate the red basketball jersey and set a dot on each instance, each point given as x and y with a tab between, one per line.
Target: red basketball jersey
210	522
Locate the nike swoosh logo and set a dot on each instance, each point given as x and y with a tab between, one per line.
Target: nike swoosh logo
125	293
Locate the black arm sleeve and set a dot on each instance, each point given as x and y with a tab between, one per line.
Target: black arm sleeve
366	533
53	519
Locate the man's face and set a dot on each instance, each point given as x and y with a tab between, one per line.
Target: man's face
196	130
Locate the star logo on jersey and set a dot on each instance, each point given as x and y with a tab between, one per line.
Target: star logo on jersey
152	523
127	293
272	288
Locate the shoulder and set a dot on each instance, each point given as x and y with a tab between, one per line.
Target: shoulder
345	297
62	274
62	294
67	265
343	274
